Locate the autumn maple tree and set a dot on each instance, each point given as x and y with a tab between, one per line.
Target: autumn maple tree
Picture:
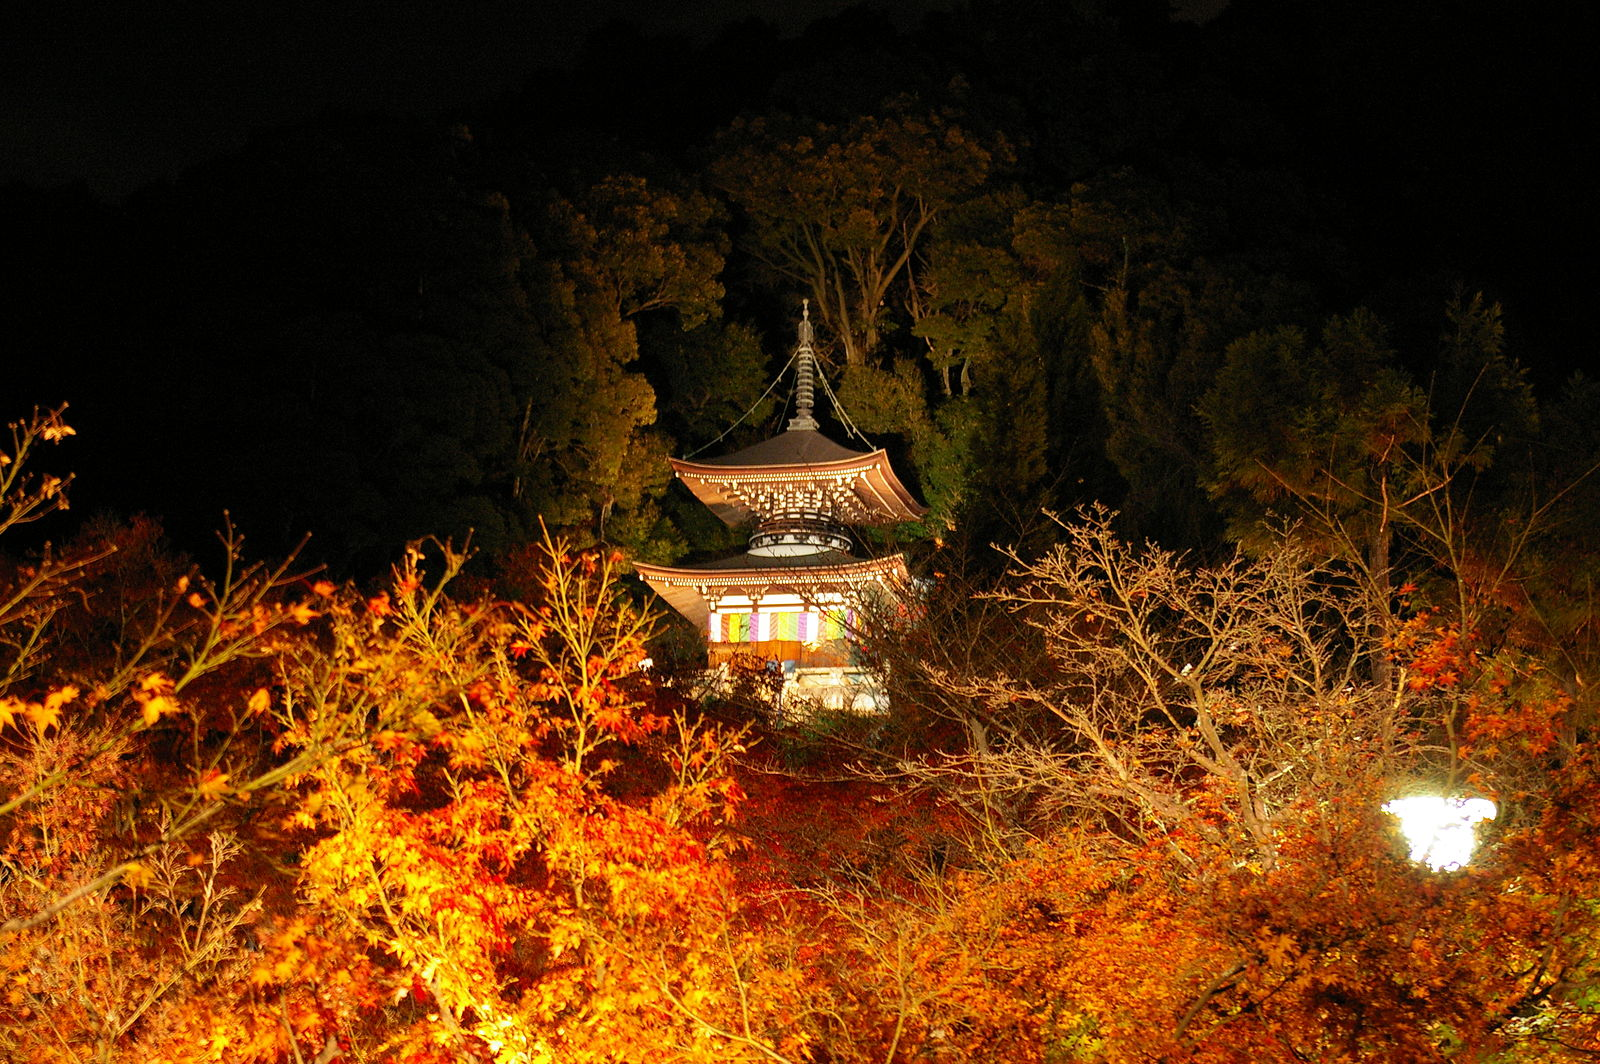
268	817
1194	864
257	815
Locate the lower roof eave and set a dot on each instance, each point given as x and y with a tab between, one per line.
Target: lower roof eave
686	588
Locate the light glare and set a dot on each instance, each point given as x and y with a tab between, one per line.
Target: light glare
1441	830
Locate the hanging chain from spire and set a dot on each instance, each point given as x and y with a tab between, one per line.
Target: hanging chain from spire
807	375
753	406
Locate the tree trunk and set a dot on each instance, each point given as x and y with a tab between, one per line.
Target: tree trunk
1382	594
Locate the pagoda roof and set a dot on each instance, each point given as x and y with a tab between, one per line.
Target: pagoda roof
689	588
862	482
796	447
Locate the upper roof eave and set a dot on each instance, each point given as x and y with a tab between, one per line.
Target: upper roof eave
872	479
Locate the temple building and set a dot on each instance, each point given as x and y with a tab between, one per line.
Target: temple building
792	599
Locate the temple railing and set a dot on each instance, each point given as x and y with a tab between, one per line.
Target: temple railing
796	535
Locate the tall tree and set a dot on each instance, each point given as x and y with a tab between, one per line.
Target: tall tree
1336	439
616	253
1300	428
841	210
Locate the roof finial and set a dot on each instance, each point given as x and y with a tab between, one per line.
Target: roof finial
804	374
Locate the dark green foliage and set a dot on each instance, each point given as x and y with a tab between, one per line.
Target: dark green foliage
354	342
1297	427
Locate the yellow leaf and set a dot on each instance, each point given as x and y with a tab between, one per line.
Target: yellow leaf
213	784
260	701
9	708
137	876
156	707
43	716
46	714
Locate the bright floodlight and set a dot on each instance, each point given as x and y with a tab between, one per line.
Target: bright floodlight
1440	830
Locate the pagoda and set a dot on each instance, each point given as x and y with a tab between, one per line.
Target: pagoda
792	598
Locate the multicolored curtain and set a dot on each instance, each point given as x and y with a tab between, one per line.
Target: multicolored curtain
799	627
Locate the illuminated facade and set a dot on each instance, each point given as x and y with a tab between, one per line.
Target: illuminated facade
791	598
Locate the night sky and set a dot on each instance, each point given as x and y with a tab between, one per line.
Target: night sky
116	94
119	93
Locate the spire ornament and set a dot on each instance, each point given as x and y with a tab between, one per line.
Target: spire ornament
805	373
